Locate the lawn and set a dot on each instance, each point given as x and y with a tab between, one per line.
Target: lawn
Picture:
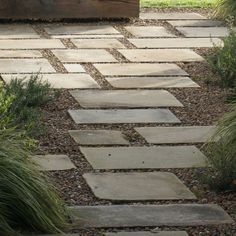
178	3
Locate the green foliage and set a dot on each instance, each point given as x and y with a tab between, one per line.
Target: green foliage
223	61
225	9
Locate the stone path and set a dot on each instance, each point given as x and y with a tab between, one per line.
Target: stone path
121	72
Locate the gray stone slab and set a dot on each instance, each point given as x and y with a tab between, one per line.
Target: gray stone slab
177	43
171	16
57	235
123	116
160	55
144	157
125	98
53	162
148	233
149	215
31	44
88	36
138	69
137	186
183	134
19	54
74	68
57	81
195	23
204	32
78	29
151	82
97	43
25	66
149	31
98	137
84	55
11	31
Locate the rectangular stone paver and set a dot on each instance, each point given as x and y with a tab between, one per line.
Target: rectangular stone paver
97	43
98	137
160	55
53	162
14	31
138	69
74	68
25	66
148	31
195	23
31	44
88	36
84	55
183	134
176	43
147	233
149	215
171	16
125	98
19	54
57	81
81	30
144	157
137	186
123	116
151	82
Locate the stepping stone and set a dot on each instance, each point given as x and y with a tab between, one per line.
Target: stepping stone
148	215
25	66
137	186
54	162
89	36
74	68
138	69
160	55
57	81
81	30
84	55
204	32
146	233
149	31
176	43
63	235
98	137
195	23
123	116
97	43
171	16
11	31
183	134
125	98
144	157
151	82
19	54
31	44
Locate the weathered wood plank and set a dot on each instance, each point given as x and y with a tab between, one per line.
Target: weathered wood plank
59	9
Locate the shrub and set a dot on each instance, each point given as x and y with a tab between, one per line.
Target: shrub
225	9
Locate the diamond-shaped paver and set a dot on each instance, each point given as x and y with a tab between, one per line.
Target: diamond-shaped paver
25	66
146	233
123	116
171	16
53	162
31	44
124	98
19	54
183	134
195	23
137	186
151	82
98	137
74	68
97	43
57	81
176	43
138	69
84	55
148	215
144	157
149	31
160	55
11	31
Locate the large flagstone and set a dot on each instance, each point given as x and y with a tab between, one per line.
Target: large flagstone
144	157
148	233
118	116
88	36
125	98
195	23
137	186
97	43
19	53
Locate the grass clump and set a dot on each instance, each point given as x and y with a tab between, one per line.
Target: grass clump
225	9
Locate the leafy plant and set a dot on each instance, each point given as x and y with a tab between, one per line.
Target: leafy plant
225	9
